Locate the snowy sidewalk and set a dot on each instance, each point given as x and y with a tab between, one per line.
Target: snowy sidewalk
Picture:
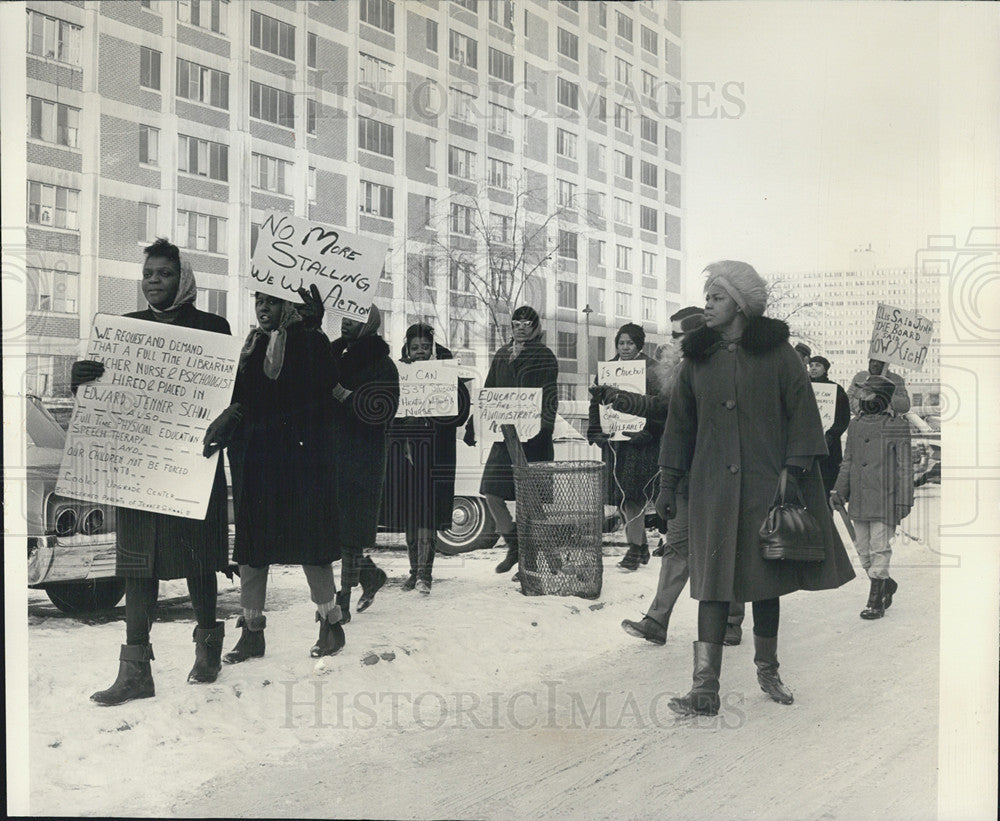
479	702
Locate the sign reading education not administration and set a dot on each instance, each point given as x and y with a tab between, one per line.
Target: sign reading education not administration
135	439
428	388
900	337
627	376
293	253
520	407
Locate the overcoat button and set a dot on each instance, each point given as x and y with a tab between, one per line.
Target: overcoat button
731	346
730	404
734	468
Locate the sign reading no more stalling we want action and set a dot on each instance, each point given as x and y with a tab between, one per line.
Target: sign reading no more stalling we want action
135	438
293	253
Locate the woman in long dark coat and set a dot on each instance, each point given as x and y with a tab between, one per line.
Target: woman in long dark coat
524	362
633	463
829	466
285	514
155	546
367	396
420	478
742	409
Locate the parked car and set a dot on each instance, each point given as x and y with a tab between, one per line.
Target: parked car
71	543
925	447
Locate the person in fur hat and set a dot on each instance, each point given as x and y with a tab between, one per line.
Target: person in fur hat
742	411
367	396
420	477
876	483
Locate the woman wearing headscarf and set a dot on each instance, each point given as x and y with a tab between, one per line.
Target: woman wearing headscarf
285	515
366	398
420	478
524	362
742	409
154	546
632	464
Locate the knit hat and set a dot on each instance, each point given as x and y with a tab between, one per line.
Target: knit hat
741	282
822	360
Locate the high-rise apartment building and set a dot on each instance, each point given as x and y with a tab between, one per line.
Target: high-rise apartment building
442	128
839	316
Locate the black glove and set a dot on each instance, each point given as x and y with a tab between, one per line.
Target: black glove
610	395
221	430
84	371
470	434
597	392
638	437
311	309
666	503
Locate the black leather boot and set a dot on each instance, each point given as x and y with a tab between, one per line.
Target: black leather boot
630	561
411	550
135	679
372	578
889	589
344	600
703	698
207	654
251	642
512	554
766	658
644	554
331	636
875	608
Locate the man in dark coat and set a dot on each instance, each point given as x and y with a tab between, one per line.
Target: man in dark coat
819	368
154	546
367	396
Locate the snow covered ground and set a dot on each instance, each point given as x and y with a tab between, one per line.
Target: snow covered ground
480	702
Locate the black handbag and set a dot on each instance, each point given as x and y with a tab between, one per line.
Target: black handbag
790	532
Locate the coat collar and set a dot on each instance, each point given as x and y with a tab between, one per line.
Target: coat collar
762	334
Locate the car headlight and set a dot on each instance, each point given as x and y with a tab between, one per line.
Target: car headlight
93	522
66	521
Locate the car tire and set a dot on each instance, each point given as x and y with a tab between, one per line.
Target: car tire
472	527
77	598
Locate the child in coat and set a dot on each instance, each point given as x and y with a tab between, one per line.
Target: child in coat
876	483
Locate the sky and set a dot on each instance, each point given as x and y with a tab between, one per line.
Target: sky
858	125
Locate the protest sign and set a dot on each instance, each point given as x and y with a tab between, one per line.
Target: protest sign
135	438
826	401
900	337
521	407
293	253
428	388
627	376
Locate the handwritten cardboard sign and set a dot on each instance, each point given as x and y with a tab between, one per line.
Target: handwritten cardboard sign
521	407
428	388
900	337
627	376
135	438
826	401
293	253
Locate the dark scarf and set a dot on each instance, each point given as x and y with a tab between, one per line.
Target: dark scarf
356	356
762	334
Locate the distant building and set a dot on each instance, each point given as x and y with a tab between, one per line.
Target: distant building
191	119
838	325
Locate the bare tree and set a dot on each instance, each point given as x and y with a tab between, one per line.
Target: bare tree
495	246
784	303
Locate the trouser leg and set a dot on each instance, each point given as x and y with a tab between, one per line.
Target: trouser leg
322	588
765	617
862	543
635	523
712	621
253	589
204	591
737	610
501	514
140	609
411	548
350	566
880	549
425	553
673	566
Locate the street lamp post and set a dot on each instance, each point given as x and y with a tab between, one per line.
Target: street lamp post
587	311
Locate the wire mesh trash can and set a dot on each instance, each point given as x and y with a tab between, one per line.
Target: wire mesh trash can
560	514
